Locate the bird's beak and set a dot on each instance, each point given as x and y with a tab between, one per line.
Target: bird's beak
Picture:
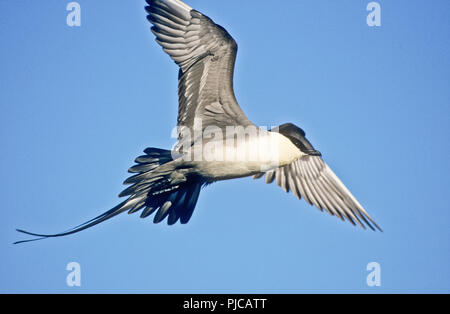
313	152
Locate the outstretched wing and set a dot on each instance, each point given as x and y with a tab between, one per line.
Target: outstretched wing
311	178
206	55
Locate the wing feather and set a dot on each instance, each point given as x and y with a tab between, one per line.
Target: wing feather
311	178
206	55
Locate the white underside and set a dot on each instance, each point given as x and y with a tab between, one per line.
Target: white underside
235	158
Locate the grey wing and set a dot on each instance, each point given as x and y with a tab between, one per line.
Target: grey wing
311	178
206	55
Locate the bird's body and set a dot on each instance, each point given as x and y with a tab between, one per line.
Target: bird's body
231	158
216	140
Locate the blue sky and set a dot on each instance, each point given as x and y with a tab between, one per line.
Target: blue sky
79	104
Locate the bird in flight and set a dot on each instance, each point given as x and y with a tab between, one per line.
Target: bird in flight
168	182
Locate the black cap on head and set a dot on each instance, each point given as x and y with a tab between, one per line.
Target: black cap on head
298	137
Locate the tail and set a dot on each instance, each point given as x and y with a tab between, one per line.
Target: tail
157	186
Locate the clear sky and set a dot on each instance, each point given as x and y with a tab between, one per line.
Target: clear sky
79	104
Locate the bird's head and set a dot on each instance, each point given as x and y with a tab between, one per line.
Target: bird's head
298	137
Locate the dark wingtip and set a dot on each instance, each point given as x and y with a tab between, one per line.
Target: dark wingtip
373	225
379	228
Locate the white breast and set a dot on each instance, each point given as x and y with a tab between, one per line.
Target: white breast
222	159
283	151
266	151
